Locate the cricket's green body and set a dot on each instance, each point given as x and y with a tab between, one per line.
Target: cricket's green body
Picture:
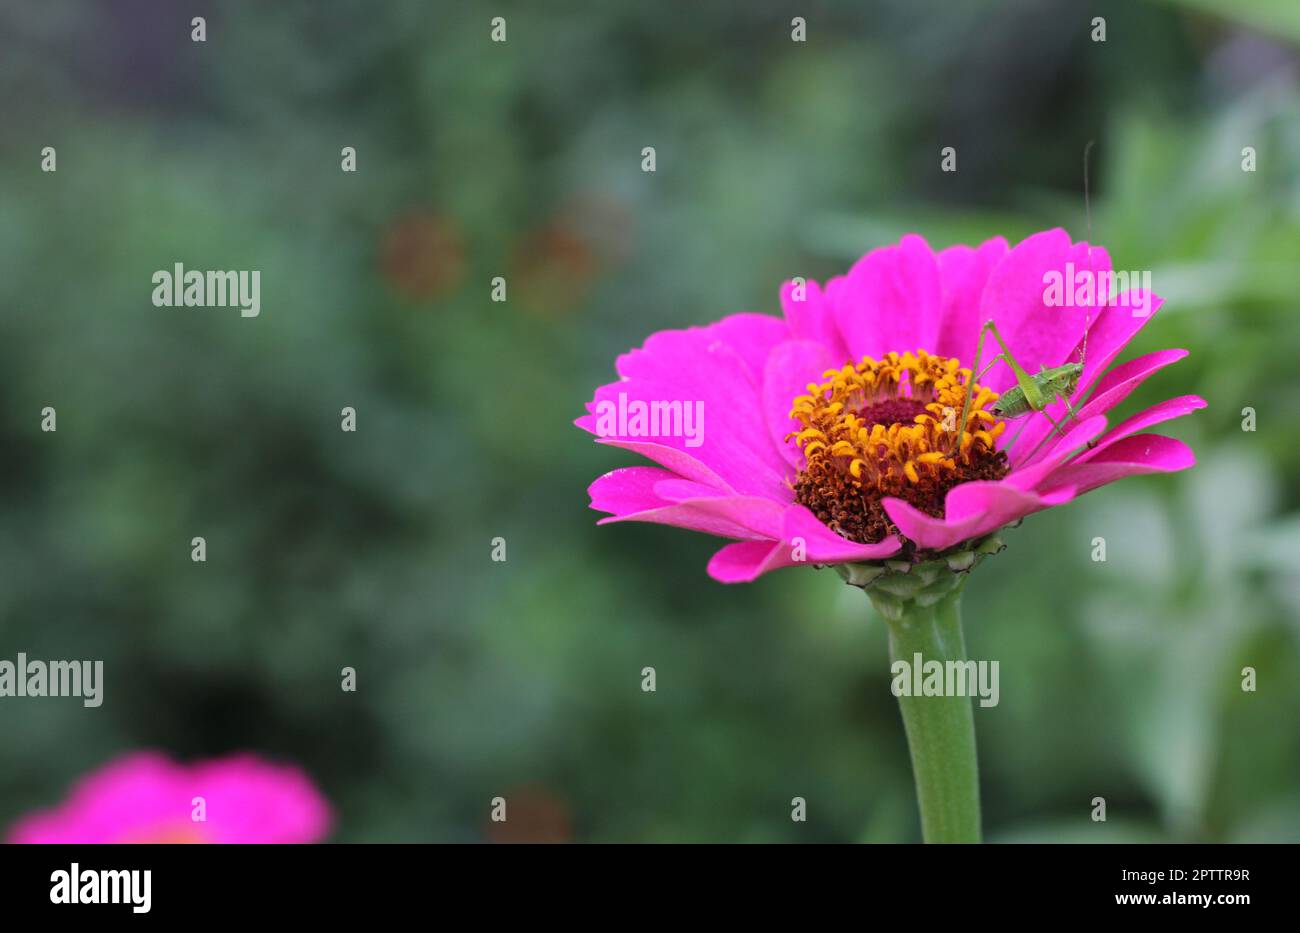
1049	384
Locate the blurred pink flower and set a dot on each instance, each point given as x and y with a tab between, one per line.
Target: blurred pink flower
144	797
826	439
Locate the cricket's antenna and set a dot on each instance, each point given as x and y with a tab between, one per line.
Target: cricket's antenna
1087	209
1087	200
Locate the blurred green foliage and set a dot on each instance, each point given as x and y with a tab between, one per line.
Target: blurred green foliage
476	679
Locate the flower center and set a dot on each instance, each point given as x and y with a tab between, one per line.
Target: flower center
888	427
172	833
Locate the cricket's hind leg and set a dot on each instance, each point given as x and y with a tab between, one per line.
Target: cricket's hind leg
1056	427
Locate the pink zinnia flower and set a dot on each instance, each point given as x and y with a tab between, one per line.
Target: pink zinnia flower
144	797
830	432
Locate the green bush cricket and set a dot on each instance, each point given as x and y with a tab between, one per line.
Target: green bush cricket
1030	393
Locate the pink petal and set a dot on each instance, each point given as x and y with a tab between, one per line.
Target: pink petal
1076	436
675	460
636	494
790	367
260	802
1107	337
752	336
628	490
1163	411
824	546
679	490
746	561
1110	390
691	519
760	516
963	272
971	510
733	442
890	300
1115	386
802	535
1111	330
720	367
736	347
1135	455
812	318
144	797
1015	297
133	792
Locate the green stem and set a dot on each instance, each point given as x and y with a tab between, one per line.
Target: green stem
940	729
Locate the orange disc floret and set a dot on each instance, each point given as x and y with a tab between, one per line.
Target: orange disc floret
888	427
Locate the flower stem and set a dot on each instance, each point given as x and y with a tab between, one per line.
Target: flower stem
940	729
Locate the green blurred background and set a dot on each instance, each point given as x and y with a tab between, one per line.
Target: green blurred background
372	550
